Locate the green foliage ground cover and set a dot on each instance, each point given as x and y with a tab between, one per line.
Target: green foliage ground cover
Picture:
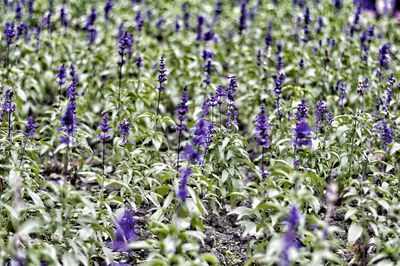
314	181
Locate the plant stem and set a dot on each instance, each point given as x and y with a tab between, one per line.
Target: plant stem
179	147
158	106
119	84
104	156
262	163
9	125
66	158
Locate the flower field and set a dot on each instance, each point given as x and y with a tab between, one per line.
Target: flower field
204	132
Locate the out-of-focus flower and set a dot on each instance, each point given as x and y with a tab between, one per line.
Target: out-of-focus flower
302	111
162	76
385	132
384	52
190	154
124	128
9	33
125	231
263	128
182	192
30	127
302	134
105	128
107	9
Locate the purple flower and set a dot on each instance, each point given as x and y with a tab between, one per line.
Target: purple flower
213	100
207	69
182	110
232	112
302	111
123	45
262	128
200	133
125	231
384	132
182	192
8	105
68	122
290	238
30	5
362	86
320	24
199	28
220	93
209	136
64	17
280	77
105	128
218	10
384	52
9	32
302	134
340	86
321	114
301	64
186	15
61	75
191	155
243	16
258	57
337	4
72	90
107	9
91	35
139	21
124	128
162	76
30	127
18	11
91	19
22	31
279	63
294	217
268	40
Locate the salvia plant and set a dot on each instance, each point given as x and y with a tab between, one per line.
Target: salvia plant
204	132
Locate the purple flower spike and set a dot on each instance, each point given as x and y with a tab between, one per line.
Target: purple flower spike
302	134
190	154
105	128
290	238
182	192
124	128
8	105
302	110
107	9
125	231
30	127
263	128
162	76
9	33
61	75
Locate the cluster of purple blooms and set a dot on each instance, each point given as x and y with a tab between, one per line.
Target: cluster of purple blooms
125	231
290	238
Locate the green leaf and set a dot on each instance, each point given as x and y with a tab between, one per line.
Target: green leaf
355	232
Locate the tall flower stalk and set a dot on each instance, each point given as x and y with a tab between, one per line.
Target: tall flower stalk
9	35
61	76
8	108
29	132
182	111
262	135
123	45
105	128
162	77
